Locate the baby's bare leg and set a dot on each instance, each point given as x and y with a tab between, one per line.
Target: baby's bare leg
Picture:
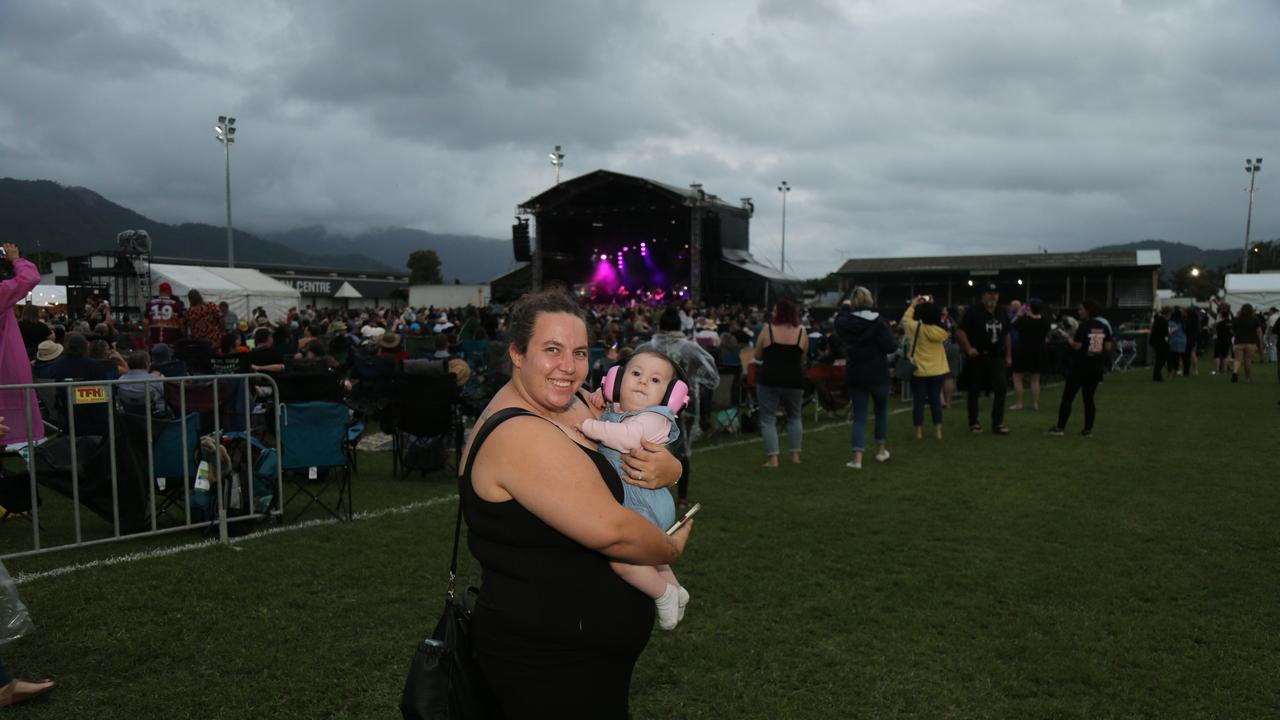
668	575
644	578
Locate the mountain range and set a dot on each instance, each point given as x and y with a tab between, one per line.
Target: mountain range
1175	256
46	216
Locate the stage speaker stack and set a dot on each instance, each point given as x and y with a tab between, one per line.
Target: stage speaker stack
520	240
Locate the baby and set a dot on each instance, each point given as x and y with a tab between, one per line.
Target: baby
645	394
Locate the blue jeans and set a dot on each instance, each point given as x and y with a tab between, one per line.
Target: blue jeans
789	399
926	389
858	398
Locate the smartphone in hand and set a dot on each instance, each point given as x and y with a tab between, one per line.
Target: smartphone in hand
680	523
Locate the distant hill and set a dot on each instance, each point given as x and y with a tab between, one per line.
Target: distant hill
78	221
467	258
1174	256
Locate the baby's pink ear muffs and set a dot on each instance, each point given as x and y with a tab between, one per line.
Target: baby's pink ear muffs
676	397
612	388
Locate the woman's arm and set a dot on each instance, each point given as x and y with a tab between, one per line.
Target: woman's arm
538	466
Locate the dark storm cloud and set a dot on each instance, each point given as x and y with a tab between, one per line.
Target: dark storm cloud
905	128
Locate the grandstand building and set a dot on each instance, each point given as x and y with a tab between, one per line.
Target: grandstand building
1124	282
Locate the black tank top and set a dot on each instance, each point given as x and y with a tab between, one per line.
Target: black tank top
783	364
541	591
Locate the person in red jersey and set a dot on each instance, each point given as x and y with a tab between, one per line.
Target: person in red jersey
163	317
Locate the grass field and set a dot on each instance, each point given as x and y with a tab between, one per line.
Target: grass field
1129	575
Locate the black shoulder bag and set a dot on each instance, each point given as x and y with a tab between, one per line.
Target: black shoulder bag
907	363
444	681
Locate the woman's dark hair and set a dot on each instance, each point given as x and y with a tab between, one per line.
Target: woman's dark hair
194	297
30	313
98	349
228	343
786	313
524	314
1093	307
77	345
929	314
316	348
669	321
1246	313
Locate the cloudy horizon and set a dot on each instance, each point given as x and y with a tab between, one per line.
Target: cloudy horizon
904	128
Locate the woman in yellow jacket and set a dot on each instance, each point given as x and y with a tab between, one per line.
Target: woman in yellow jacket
922	326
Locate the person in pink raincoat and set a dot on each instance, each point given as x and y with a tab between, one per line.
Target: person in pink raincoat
15	368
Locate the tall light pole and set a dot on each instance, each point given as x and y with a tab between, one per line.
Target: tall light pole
1253	167
225	131
557	159
784	188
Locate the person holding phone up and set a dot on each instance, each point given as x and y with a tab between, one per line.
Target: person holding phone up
17	277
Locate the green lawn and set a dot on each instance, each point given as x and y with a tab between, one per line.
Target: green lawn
1132	574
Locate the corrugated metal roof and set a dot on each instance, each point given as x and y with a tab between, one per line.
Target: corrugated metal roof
746	261
1028	261
567	189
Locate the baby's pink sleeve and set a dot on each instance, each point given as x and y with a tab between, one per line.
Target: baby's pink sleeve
628	434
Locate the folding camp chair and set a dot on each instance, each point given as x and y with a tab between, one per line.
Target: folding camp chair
829	388
312	440
175	460
726	401
425	407
1126	351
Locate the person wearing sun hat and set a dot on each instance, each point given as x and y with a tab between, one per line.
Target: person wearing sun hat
390	346
47	354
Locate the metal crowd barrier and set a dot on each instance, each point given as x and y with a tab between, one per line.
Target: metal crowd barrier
96	392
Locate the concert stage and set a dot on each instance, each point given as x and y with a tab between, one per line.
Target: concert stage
616	238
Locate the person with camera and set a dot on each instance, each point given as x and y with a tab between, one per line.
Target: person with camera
17	277
922	324
984	338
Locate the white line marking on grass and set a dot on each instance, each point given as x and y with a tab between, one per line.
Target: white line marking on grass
25	577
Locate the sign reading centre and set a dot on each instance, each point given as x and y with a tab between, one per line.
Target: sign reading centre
310	287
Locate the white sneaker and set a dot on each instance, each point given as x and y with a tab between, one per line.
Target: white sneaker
668	608
882	456
854	465
684	600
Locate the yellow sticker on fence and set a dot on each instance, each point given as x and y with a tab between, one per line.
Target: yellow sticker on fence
90	394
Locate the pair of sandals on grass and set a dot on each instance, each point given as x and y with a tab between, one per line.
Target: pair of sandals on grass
1000	429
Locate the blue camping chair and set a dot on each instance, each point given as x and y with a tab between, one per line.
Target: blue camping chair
169	452
313	437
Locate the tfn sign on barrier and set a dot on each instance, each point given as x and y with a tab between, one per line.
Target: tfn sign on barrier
136	451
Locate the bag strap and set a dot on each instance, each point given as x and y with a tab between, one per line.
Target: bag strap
916	340
494	421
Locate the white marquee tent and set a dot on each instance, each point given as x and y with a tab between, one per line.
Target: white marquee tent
241	288
1261	290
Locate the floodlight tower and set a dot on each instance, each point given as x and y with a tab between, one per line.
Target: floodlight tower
1253	167
784	188
225	131
557	159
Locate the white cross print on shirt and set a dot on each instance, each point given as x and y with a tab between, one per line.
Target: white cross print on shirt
993	329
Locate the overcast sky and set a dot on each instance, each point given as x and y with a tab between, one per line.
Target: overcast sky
904	127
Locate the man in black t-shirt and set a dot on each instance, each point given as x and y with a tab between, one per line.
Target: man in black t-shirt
265	356
984	339
1092	346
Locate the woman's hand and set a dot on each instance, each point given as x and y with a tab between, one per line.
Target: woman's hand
680	538
652	467
11	252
